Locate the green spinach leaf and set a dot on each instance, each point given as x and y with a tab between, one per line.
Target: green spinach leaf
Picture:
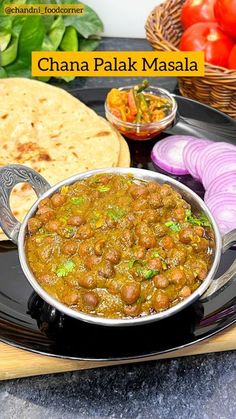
173	226
147	273
5	38
31	37
20	35
54	37
88	44
103	188
87	24
2	72
201	220
115	213
77	200
65	268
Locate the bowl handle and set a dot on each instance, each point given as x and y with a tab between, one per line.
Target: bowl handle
218	284
9	177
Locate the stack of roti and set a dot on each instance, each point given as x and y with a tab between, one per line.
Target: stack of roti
49	130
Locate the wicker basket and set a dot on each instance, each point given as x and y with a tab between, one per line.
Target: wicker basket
218	87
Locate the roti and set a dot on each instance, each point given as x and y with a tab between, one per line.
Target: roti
124	157
40	122
49	130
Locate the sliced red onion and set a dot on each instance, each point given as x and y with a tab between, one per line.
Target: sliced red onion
223	208
216	165
190	155
211	150
223	183
168	154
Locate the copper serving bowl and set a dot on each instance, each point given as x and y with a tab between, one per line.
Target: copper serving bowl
14	174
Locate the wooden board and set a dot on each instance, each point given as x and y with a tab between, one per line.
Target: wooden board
15	363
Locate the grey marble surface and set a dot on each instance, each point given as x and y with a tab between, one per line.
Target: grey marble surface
200	387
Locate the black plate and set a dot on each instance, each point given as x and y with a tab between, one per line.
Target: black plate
26	321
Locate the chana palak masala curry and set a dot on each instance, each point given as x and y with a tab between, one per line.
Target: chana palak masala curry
113	246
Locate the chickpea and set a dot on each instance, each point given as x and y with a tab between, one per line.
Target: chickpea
104	179
45	213
165	190
137	191
160	301
76	220
91	261
169	202
185	292
70	298
202	244
106	270
46	279
177	256
148	242
177	276
141	229
139	252
98	247
42	209
127	238
155	264
132	310
153	187
44	202
130	292
84	232
113	256
150	216
58	200
114	286
160	230
186	235
34	225
202	274
53	225
179	214
90	300
86	280
69	248
167	243
155	200
85	249
200	270
199	231
160	281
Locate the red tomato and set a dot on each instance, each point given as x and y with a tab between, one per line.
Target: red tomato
209	38
232	59
194	11
225	12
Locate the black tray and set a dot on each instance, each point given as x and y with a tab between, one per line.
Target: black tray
27	322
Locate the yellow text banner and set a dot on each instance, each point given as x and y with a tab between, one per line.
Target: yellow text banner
117	63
